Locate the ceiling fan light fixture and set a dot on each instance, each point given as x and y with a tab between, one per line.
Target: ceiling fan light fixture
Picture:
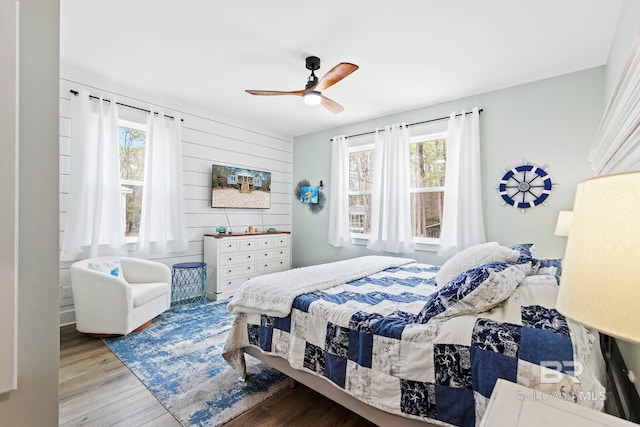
312	98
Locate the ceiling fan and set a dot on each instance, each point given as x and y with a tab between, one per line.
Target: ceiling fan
312	93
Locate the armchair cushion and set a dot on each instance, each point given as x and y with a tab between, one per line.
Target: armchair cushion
144	292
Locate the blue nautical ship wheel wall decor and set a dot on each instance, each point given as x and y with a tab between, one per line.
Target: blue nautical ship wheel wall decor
525	186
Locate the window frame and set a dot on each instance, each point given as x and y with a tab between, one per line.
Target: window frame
131	124
429	244
432	136
360	238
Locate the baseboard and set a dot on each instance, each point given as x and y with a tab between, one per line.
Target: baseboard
67	318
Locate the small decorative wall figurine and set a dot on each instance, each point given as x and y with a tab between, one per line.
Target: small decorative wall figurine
310	195
525	186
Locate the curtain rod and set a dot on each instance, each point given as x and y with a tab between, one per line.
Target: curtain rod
413	124
76	93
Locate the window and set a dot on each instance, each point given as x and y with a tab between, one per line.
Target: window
132	144
427	160
360	179
427	173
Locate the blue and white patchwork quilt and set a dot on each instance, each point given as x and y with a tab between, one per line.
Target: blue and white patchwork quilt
393	341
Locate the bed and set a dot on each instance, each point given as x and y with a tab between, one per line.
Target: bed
401	343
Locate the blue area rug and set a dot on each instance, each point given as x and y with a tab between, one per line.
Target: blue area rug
179	359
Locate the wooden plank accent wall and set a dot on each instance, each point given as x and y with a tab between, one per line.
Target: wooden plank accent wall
206	139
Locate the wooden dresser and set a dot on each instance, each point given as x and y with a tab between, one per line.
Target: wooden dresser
233	259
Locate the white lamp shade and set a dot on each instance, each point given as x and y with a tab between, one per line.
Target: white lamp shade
564	223
600	284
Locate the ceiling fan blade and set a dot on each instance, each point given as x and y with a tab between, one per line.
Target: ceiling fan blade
334	75
276	92
331	105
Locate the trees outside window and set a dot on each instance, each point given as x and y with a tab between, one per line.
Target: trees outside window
361	161
132	155
427	161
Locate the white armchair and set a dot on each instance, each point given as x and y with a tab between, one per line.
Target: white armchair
126	295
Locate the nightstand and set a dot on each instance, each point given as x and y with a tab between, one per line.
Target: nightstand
523	407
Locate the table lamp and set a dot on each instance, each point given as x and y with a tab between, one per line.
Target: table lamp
600	285
564	223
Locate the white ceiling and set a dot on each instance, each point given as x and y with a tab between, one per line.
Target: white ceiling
204	54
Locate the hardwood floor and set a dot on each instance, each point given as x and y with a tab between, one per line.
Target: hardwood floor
97	389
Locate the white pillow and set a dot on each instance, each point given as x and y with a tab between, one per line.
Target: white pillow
473	257
111	267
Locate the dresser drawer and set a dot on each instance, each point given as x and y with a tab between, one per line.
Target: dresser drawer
273	254
272	266
230	285
265	243
229	246
237	258
248	244
281	241
237	270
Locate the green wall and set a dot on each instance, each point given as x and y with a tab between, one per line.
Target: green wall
626	33
549	122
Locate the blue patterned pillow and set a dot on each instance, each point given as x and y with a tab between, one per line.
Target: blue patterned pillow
550	267
111	267
527	253
476	290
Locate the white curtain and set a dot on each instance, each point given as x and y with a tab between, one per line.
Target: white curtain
339	231
162	222
462	221
93	225
390	199
616	147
